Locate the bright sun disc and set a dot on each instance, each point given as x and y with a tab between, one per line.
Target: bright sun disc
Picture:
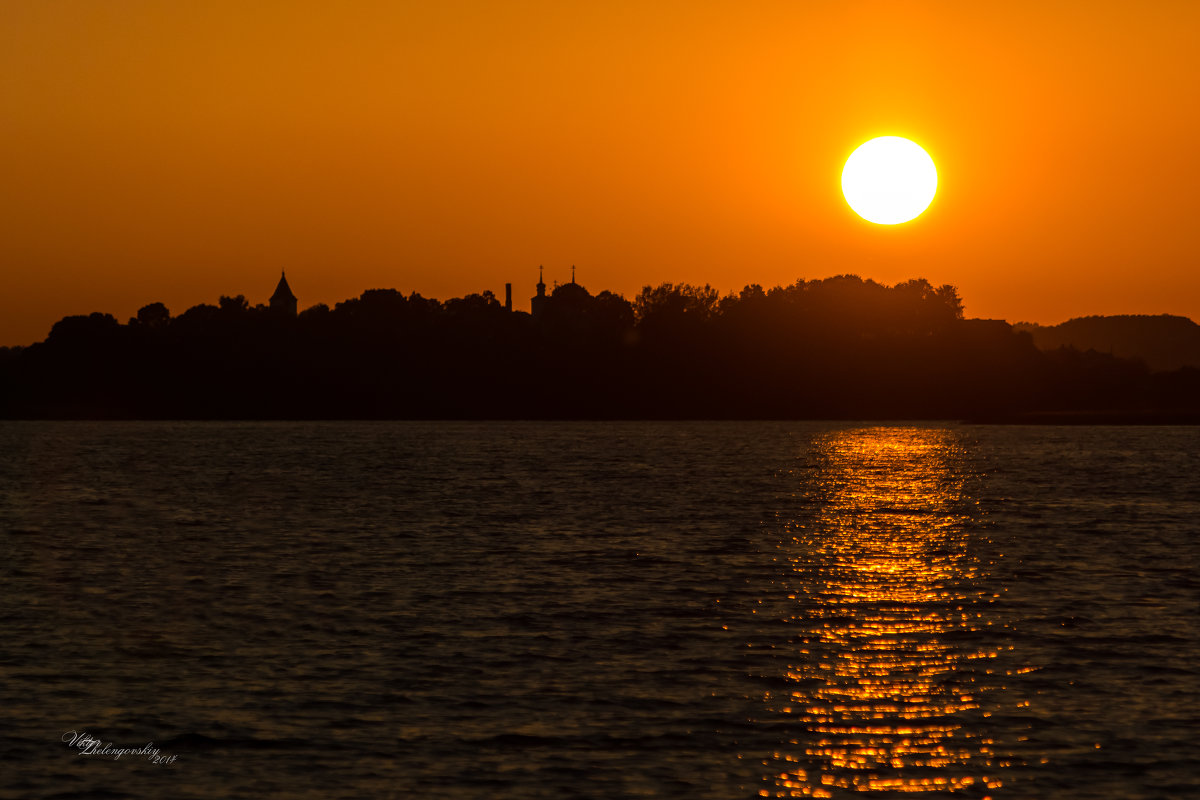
889	180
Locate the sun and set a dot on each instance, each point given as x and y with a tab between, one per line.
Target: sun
889	180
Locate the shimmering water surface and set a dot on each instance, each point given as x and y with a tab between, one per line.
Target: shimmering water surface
529	610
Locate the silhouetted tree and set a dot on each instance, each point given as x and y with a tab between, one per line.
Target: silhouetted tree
154	316
314	312
674	302
1163	341
837	347
234	305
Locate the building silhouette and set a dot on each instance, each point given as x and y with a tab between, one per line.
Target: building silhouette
283	301
538	302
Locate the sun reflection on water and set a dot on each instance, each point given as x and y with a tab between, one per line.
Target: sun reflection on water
887	673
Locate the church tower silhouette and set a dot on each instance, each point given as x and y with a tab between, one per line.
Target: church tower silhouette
538	302
283	301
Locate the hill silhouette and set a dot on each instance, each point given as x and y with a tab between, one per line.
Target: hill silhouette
1163	341
842	347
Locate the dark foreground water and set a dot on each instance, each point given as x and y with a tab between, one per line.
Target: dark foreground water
674	610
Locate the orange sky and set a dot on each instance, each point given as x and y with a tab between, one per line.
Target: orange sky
174	152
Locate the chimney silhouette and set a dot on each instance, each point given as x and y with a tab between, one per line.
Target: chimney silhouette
508	297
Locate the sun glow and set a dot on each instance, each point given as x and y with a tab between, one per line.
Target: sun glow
889	180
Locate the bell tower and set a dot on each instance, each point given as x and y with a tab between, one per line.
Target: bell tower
538	302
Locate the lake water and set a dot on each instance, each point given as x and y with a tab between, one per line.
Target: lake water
615	610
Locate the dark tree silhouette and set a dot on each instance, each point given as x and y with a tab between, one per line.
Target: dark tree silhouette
154	315
1164	342
842	347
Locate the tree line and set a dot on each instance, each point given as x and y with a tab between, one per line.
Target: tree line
837	348
1163	341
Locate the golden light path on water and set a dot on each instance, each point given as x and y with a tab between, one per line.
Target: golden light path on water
885	686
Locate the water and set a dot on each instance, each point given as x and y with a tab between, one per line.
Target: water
528	610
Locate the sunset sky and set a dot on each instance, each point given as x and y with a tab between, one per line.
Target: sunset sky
174	152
